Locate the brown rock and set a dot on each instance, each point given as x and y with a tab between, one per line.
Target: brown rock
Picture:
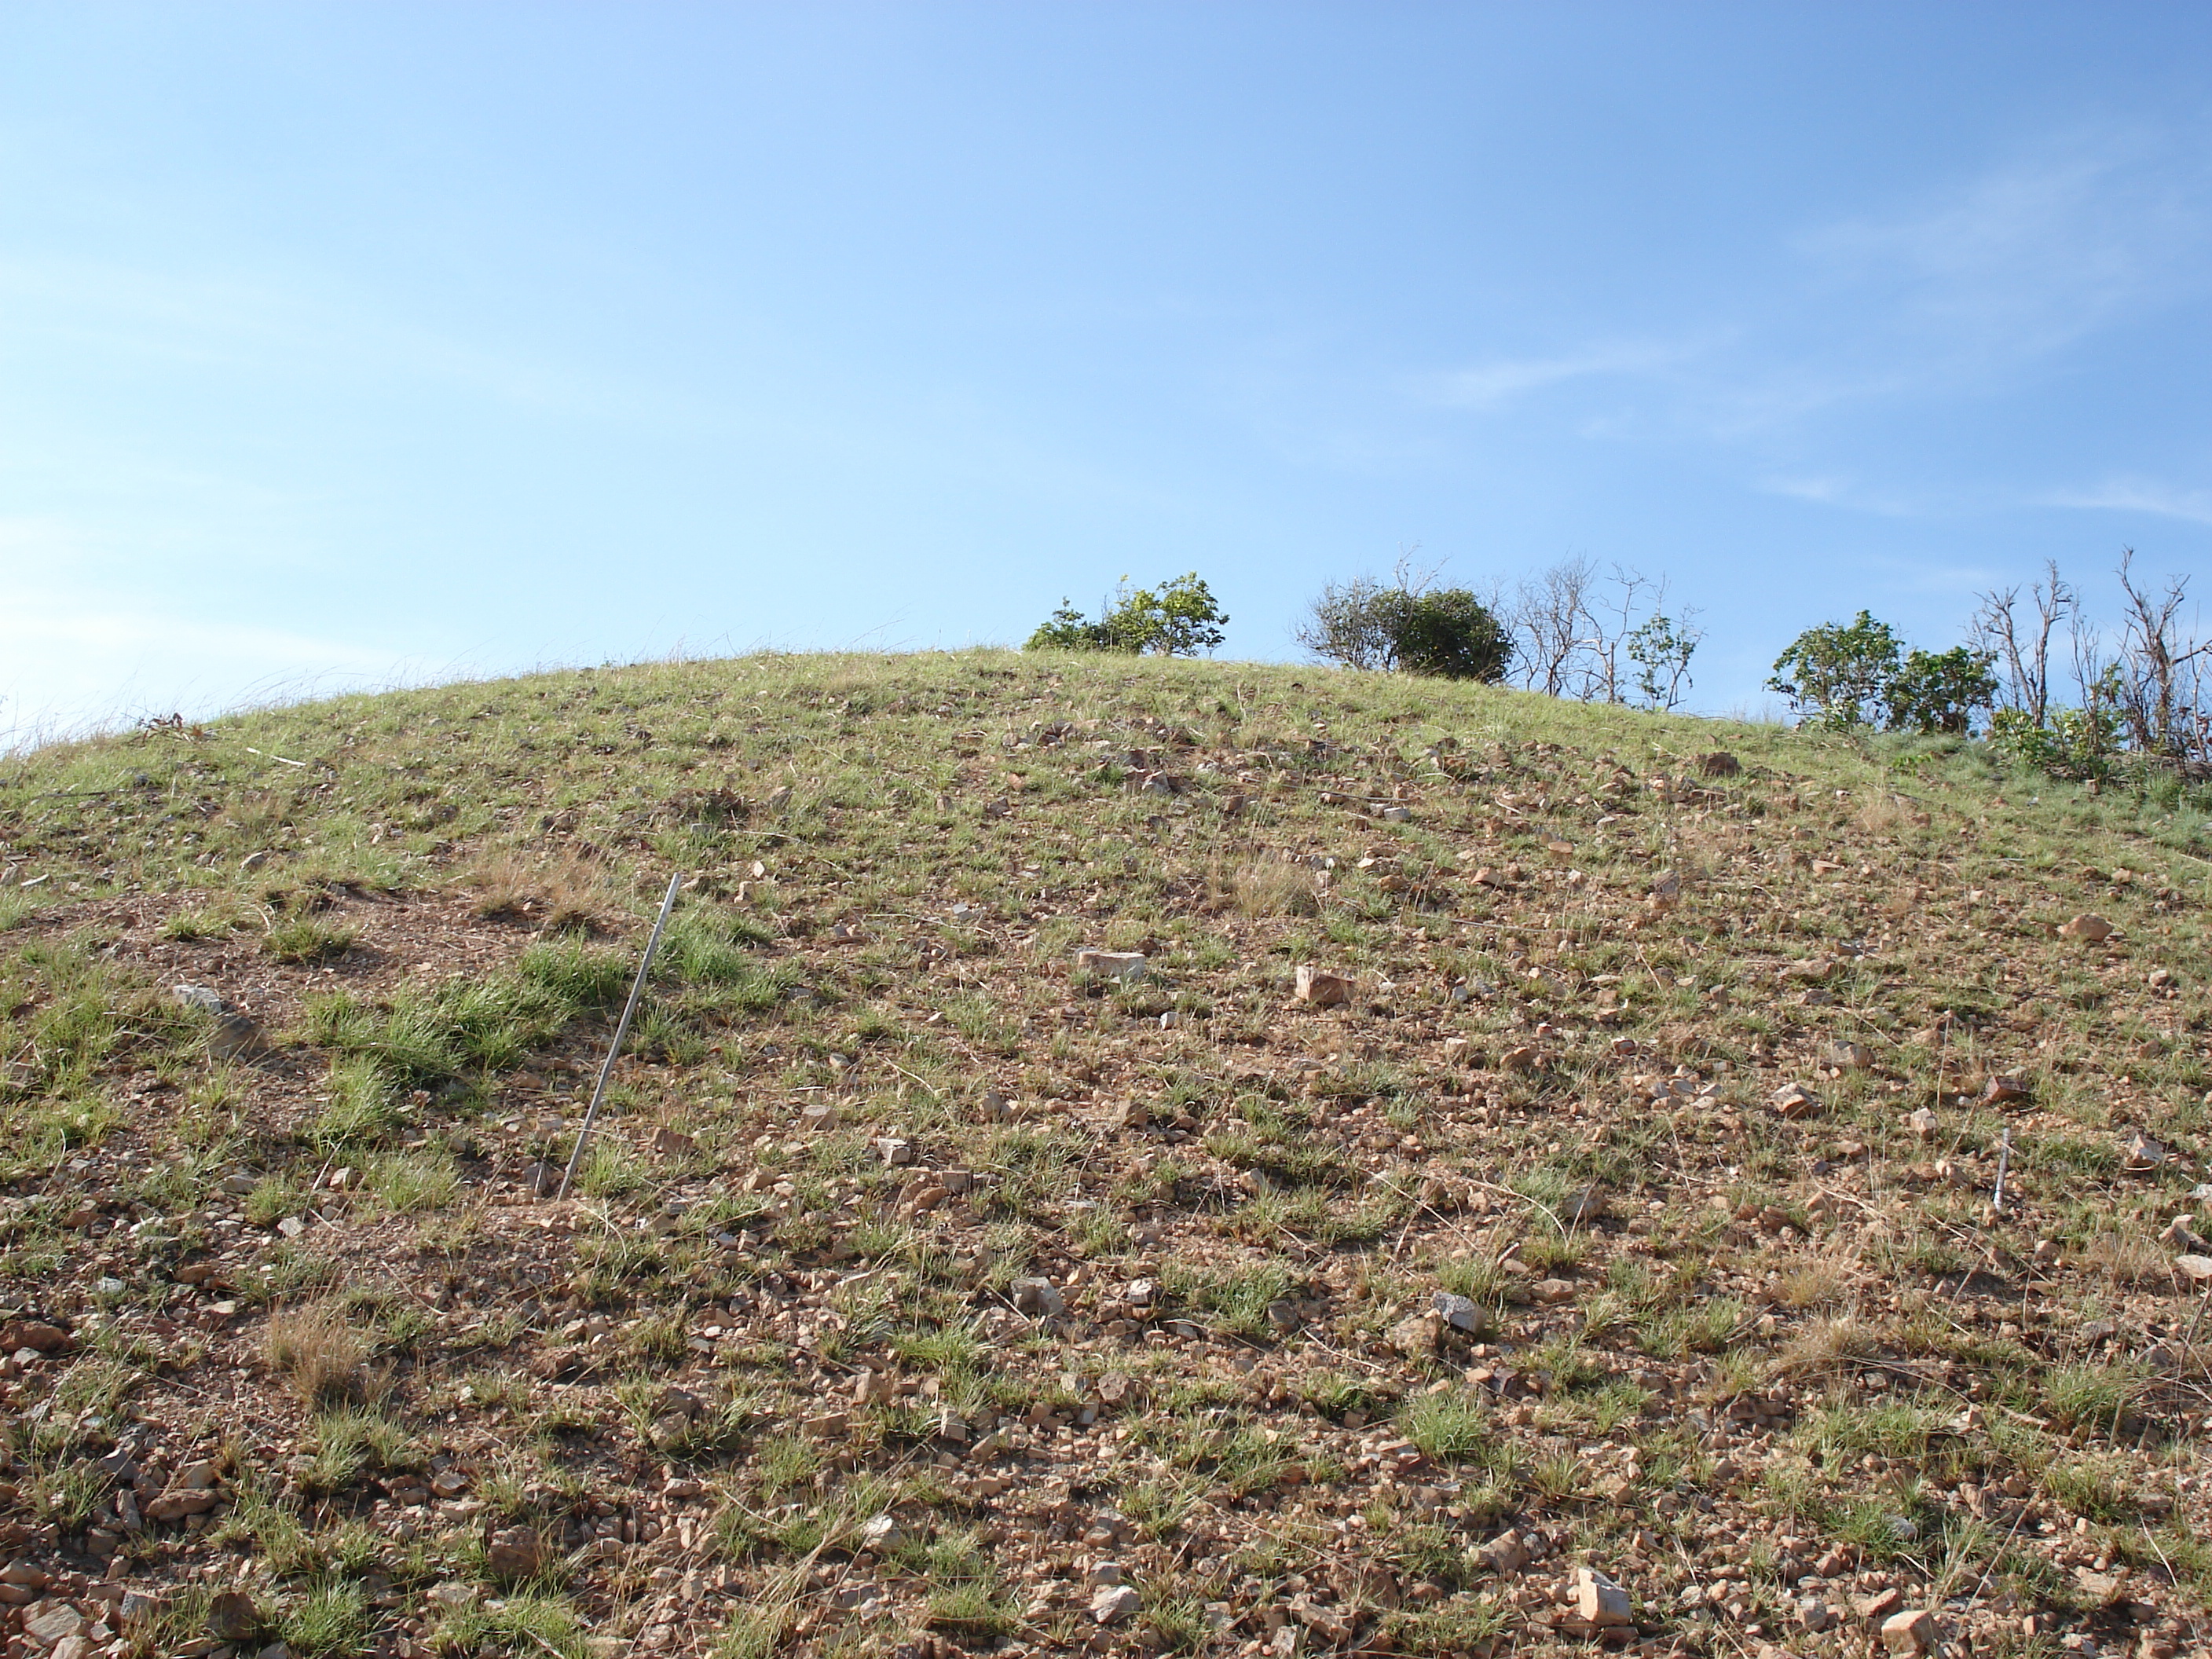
1794	1101
2143	1155
1505	1554
1718	765
1599	1601
52	1623
2002	1089
515	1553
923	1196
235	1036
1321	989
2180	1236
2090	929
1522	1058
673	1142
1910	1633
1127	966
177	1503
32	1333
2196	1267
1416	1337
1850	1057
2099	1588
1115	1602
232	1617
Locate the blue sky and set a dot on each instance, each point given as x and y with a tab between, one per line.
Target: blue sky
345	345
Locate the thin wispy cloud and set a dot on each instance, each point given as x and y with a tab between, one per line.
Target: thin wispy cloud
1980	288
1828	490
2137	495
2026	259
1489	385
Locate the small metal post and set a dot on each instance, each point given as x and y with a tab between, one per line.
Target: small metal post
2004	1155
622	1030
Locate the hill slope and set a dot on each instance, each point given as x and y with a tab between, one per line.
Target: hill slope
926	1291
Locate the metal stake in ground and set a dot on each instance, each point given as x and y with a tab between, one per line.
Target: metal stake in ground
622	1030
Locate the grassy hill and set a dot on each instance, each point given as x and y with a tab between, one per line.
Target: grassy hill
925	1292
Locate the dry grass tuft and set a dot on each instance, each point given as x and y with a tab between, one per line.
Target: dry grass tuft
2126	1259
1272	887
323	1356
563	893
1826	1344
1814	1285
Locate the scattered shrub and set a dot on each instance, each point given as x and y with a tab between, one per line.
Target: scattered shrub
1179	619
1446	632
1843	676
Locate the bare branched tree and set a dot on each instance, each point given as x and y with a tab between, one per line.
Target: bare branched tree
2161	671
1600	638
1550	616
2023	647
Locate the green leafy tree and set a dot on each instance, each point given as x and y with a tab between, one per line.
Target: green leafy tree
1939	690
1842	677
1835	676
1068	629
1179	619
1445	632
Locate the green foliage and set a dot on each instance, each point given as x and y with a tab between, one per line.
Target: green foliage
1449	1427
1843	678
1662	649
1447	632
1938	691
2075	742
1836	675
306	940
1178	619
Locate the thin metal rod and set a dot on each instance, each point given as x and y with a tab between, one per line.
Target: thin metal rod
606	1070
2004	1155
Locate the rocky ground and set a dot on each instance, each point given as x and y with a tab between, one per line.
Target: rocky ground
1179	1157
